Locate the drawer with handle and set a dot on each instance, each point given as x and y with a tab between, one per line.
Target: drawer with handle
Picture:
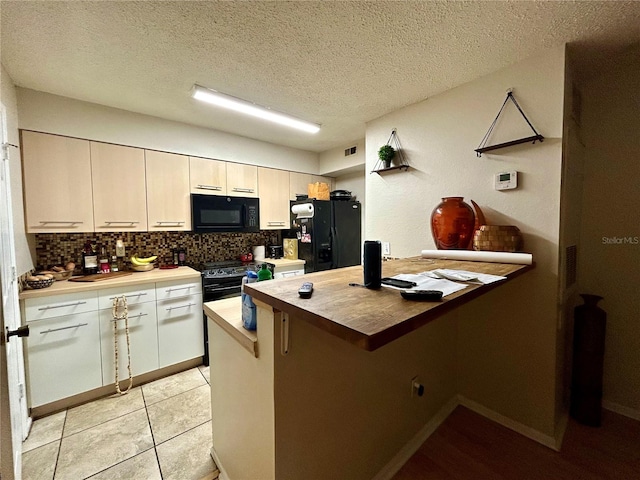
134	294
176	289
60	305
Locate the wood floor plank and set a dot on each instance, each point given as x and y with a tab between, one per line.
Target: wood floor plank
468	446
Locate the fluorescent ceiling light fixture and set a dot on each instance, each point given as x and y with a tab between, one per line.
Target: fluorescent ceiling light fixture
242	106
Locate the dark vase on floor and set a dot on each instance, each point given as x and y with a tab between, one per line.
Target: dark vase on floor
588	358
452	224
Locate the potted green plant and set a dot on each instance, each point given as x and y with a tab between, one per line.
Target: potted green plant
386	154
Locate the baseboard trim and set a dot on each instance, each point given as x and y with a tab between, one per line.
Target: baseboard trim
561	429
400	458
546	440
223	473
621	409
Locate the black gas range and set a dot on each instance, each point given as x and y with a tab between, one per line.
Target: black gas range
223	280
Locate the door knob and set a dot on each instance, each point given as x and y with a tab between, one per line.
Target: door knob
22	331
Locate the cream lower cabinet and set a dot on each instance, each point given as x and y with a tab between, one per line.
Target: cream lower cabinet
242	180
168	192
119	188
57	183
63	354
208	177
180	322
274	198
143	332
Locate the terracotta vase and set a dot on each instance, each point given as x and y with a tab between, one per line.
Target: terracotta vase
452	224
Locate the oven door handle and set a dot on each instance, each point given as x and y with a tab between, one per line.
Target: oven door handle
210	288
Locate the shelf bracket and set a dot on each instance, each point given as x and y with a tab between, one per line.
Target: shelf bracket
533	139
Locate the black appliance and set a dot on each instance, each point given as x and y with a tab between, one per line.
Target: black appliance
340	195
331	238
223	280
217	213
276	251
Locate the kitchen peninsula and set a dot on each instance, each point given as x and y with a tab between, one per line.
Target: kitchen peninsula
328	391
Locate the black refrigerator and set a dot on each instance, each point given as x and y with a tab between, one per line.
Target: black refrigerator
331	238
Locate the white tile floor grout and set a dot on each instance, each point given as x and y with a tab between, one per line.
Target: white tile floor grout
159	431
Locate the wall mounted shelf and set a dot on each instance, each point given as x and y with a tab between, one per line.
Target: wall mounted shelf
533	139
403	165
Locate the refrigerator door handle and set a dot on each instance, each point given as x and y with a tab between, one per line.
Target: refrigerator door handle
335	250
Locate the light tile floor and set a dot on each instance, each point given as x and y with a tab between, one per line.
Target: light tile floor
158	431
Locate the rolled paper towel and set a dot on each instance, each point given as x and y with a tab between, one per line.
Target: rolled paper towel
473	256
303	210
258	252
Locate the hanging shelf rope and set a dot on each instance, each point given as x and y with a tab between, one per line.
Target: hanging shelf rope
394	141
483	148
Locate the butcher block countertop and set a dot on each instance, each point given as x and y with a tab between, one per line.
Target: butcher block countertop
368	318
228	314
136	278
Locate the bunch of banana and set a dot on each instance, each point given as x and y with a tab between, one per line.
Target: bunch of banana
139	262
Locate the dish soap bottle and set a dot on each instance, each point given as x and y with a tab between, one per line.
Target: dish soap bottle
264	273
89	259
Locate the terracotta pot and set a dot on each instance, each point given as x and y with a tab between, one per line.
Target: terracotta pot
452	224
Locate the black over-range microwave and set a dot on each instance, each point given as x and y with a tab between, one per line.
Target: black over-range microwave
218	213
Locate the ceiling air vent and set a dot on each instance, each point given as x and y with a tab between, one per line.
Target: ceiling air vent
350	151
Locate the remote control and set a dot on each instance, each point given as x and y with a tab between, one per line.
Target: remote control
306	290
424	295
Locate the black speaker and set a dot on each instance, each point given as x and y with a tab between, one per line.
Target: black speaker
372	263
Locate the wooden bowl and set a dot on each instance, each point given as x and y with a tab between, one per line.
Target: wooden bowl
498	238
143	268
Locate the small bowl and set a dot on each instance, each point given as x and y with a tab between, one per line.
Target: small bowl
40	283
62	275
143	268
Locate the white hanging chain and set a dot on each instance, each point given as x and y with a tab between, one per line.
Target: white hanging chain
124	316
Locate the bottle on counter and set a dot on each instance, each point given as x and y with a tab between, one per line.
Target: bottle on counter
249	311
114	263
89	259
104	262
264	273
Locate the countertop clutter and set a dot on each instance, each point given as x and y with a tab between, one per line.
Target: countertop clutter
136	278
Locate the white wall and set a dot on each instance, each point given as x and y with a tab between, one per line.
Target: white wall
24	262
506	340
333	162
611	126
44	112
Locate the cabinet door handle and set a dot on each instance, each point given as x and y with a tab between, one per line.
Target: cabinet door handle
121	222
169	290
59	221
208	187
131	316
167	222
64	328
276	223
61	306
132	295
181	306
245	190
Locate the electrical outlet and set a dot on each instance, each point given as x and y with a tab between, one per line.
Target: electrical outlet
417	389
386	248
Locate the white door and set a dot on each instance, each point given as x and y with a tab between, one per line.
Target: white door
10	308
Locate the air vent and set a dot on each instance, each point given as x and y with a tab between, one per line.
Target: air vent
350	151
571	266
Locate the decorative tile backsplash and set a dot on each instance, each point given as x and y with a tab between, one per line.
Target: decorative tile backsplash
60	248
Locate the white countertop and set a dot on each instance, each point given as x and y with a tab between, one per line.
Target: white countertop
136	278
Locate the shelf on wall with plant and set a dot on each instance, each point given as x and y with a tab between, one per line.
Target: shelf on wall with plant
391	156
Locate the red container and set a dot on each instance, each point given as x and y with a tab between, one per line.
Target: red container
452	224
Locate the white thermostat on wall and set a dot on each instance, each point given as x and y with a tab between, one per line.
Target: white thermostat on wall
506	180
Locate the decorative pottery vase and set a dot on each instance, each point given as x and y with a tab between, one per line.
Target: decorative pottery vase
588	358
498	238
452	224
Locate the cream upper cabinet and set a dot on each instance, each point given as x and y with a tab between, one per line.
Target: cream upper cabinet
299	184
208	177
57	183
119	190
274	198
242	180
168	192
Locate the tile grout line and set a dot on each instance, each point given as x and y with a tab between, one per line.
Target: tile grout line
55	467
153	439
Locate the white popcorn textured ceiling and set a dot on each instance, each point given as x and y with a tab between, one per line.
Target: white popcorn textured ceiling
337	63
